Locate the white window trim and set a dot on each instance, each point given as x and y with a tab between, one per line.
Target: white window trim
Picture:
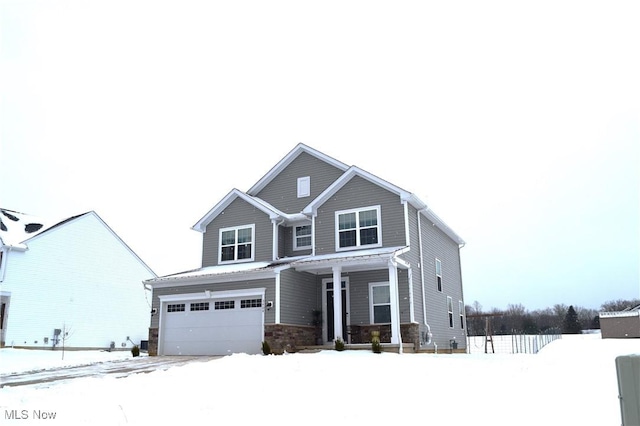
253	244
295	238
461	309
439	275
357	211
450	318
371	286
304	186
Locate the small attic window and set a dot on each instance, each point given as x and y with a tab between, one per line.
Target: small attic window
32	227
304	186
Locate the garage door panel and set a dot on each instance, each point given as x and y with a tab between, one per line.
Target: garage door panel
213	331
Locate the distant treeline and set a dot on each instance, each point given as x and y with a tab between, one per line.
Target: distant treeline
516	319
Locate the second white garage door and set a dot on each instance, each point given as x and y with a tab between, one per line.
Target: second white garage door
218	326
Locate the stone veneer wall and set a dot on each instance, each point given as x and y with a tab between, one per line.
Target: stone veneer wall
153	342
281	337
410	333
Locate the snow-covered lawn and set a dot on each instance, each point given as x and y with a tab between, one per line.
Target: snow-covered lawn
571	381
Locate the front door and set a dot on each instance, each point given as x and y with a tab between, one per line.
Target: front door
329	317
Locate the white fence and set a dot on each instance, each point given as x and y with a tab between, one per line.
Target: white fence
510	344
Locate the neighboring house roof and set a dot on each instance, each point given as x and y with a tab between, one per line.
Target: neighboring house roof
310	209
628	312
17	229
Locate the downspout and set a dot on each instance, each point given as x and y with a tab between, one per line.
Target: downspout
424	295
274	244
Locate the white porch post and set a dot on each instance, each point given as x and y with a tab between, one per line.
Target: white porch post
337	303
395	311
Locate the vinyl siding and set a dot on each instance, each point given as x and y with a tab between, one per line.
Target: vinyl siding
78	276
282	191
357	193
238	213
298	297
267	283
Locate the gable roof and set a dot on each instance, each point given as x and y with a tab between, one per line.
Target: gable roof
260	204
288	159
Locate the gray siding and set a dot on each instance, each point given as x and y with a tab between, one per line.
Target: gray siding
239	213
359	192
282	191
285	247
298	297
436	244
268	283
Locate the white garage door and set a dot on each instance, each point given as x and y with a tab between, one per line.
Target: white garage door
219	326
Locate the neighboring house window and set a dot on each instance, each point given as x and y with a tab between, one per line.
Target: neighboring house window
304	186
358	228
236	243
202	306
175	307
450	310
461	309
225	304
302	237
380	303
439	274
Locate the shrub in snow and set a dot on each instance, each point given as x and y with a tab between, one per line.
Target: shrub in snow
339	345
266	349
135	350
376	347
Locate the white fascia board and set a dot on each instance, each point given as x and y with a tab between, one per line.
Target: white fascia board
213	278
201	225
292	155
429	214
207	294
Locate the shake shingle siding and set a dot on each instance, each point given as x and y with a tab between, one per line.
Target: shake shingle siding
298	297
282	191
238	213
359	193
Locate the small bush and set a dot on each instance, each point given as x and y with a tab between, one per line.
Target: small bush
266	349
135	350
376	347
339	345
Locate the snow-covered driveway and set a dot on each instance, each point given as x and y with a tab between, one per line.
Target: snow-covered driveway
113	368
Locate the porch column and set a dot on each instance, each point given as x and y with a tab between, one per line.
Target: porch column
337	302
394	300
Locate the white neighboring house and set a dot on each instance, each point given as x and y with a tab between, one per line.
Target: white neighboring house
70	283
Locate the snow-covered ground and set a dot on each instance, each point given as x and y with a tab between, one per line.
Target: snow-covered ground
571	381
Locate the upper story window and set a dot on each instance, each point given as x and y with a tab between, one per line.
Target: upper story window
358	228
304	186
439	274
236	244
450	310
302	237
461	309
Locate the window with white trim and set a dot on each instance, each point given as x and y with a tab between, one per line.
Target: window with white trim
302	237
304	186
438	274
175	307
250	303
358	228
380	303
461	309
450	310
236	244
224	304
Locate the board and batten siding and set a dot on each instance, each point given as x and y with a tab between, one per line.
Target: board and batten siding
355	194
267	283
238	213
81	277
298	297
282	191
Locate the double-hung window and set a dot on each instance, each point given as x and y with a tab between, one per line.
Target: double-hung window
439	274
358	228
461	309
380	303
236	244
450	310
302	237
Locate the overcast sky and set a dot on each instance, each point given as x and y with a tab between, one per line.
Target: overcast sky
518	122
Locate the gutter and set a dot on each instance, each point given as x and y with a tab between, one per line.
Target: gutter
424	295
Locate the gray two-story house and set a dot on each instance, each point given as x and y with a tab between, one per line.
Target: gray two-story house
271	258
